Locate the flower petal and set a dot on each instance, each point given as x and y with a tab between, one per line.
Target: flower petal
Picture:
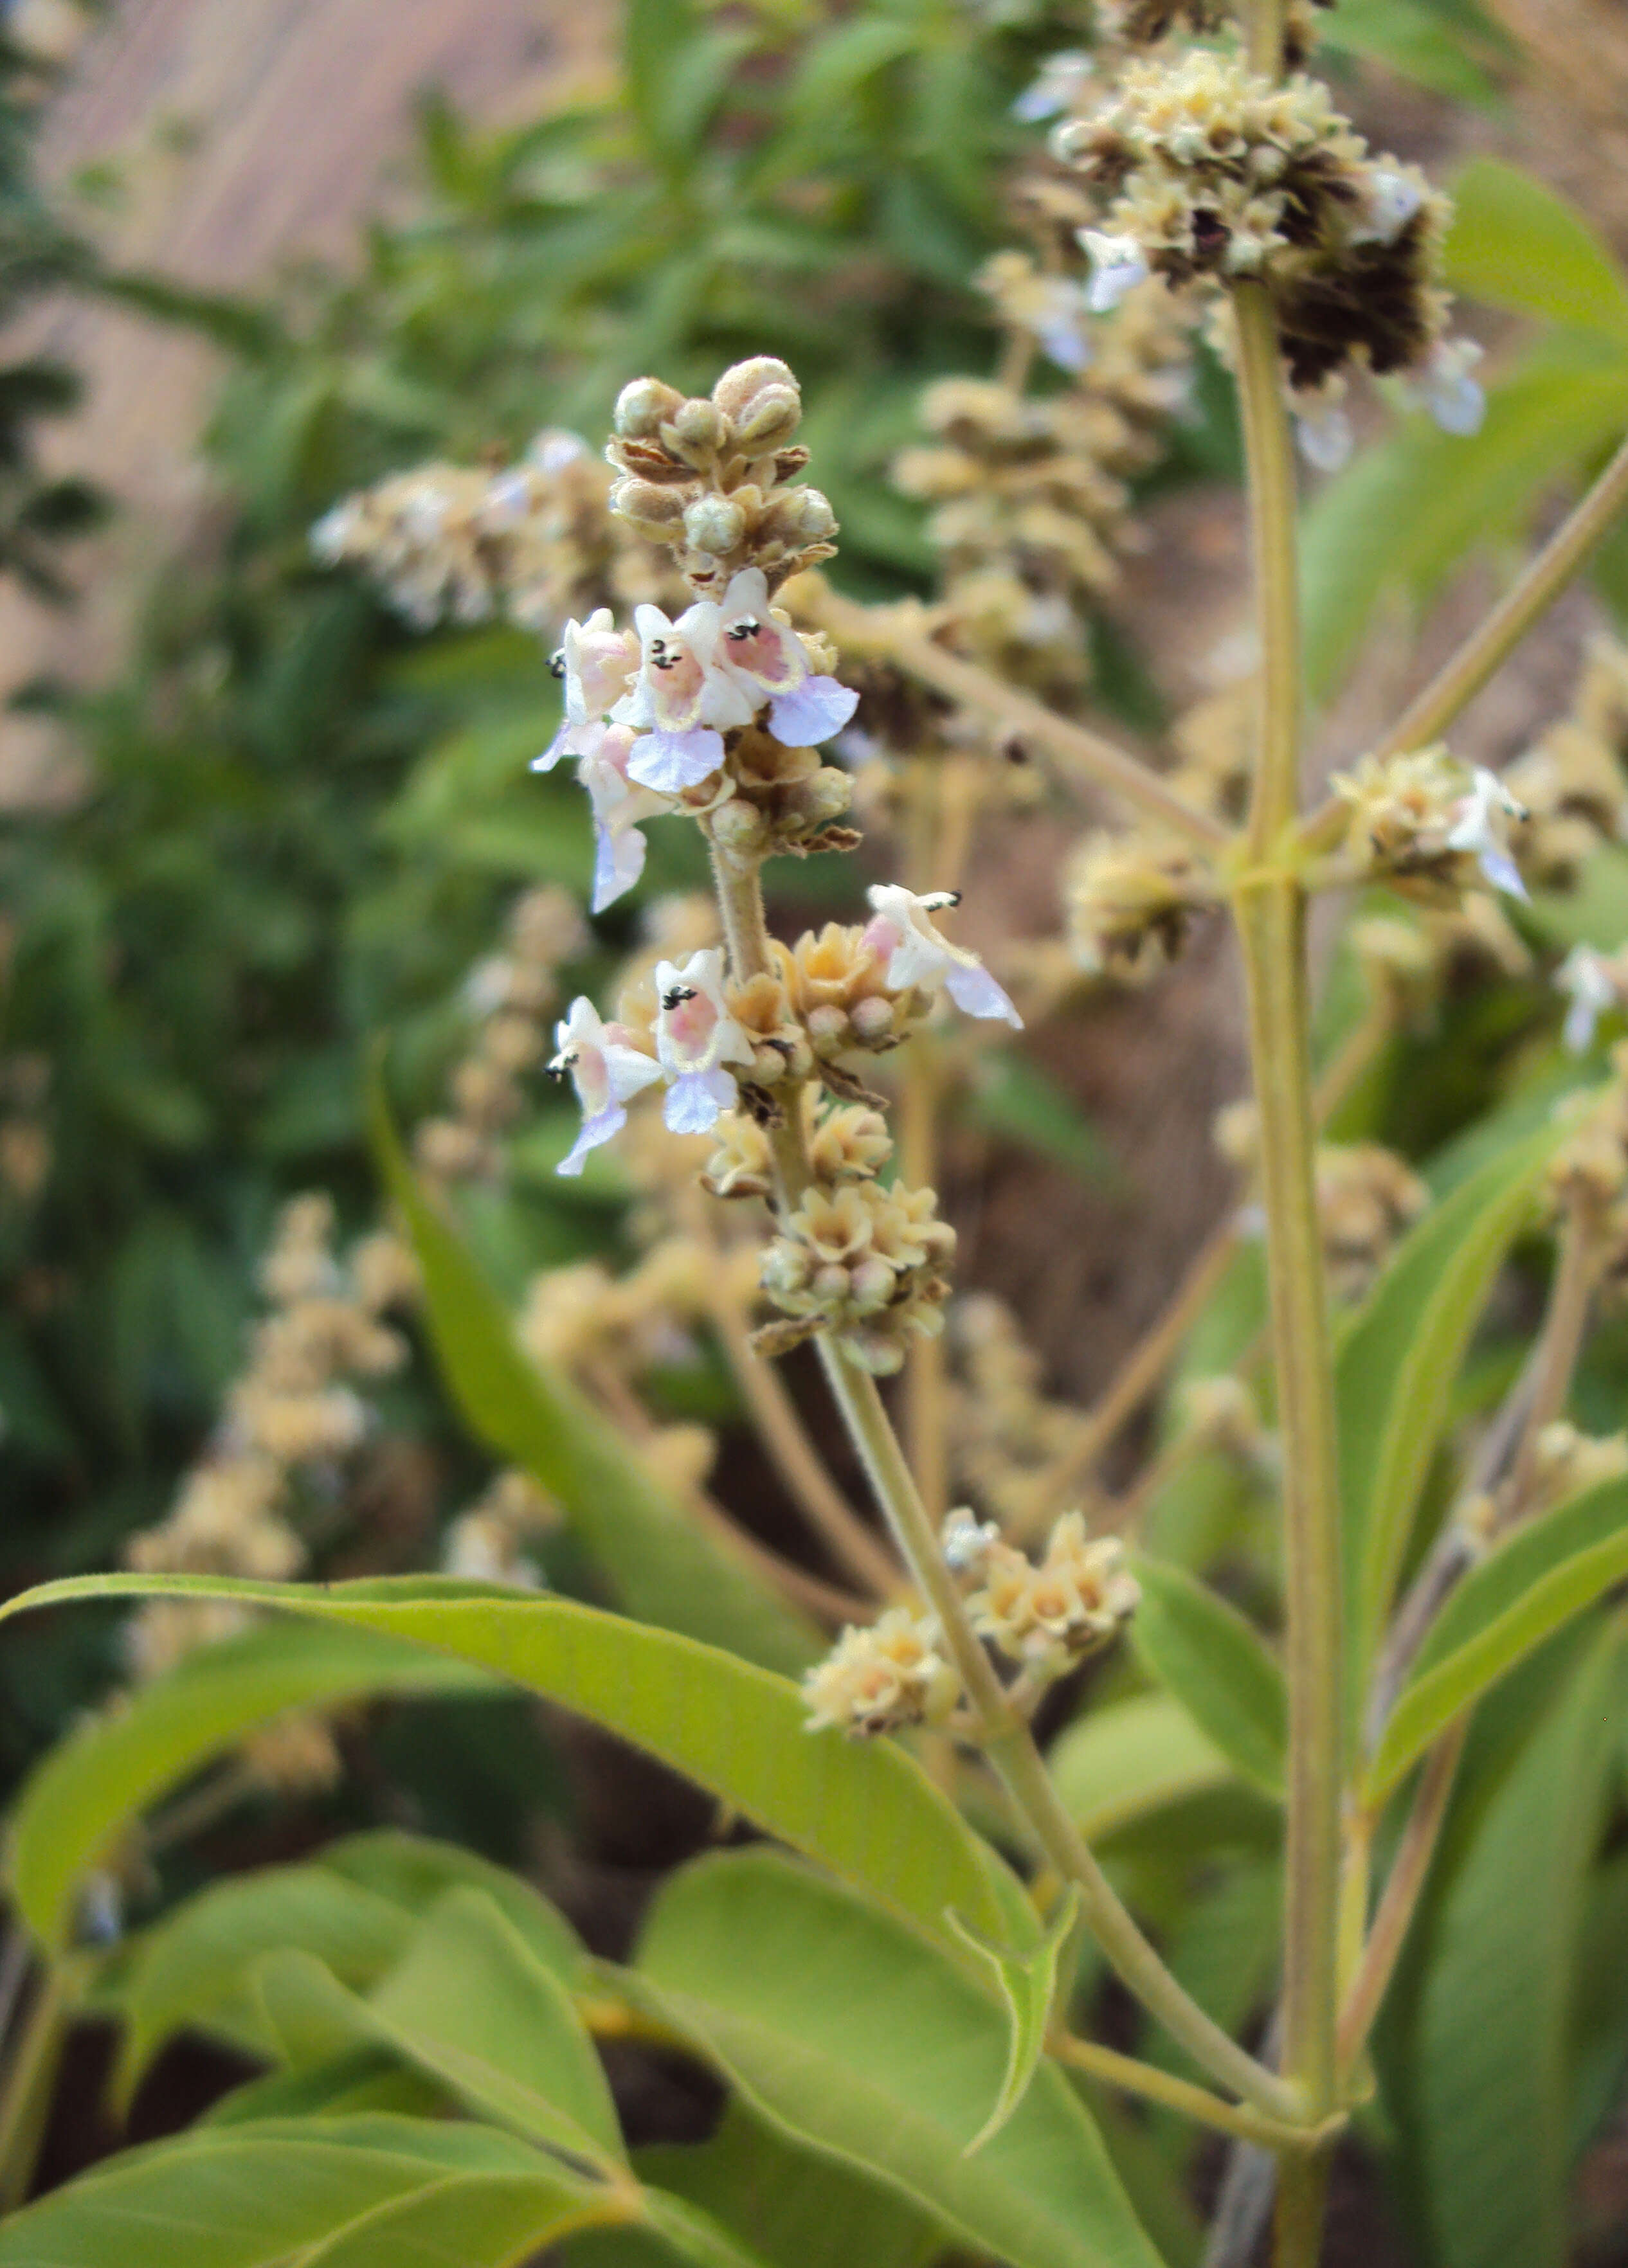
670	762
975	992
697	1101
817	708
596	1129
618	862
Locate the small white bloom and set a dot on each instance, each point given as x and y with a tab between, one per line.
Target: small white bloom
620	804
1392	200
1452	395
331	536
1584	976
1060	79
1324	436
1482	829
606	1069
903	933
762	654
553	449
967	1541
1117	266
1056	312
696	1038
596	662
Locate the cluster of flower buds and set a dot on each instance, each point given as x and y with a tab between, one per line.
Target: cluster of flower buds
881	1678
1046	1616
494	1541
530	543
1566	1462
1031	493
1206	174
511	995
1144	23
714	480
583	1316
293	1417
1367	1197
1431	827
864	1263
1130	900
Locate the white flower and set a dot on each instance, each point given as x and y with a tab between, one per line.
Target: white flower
696	1037
1391	202
1324	436
1587	979
1452	396
619	806
606	1069
680	698
1060	79
1056	313
597	661
1481	827
762	654
917	955
967	1541
1116	268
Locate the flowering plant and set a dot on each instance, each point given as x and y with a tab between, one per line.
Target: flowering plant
907	2012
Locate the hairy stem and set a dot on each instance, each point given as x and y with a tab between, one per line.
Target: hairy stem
900	635
1403	1887
1007	1741
1270	907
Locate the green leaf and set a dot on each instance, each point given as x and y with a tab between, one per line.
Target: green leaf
357	2080
244	2198
869	1813
1484	2106
1411	40
1516	244
861	2042
1530	1587
664	1569
473	2220
1395	1364
1204	1652
415	1871
694	2236
91	1788
469	2006
797	2209
183	1970
1115	1764
1028	1984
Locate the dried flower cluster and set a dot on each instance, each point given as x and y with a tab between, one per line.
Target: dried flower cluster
1205	174
294	1418
529	543
1431	827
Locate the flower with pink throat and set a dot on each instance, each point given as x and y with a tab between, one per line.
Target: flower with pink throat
761	651
696	1038
902	933
678	699
607	1071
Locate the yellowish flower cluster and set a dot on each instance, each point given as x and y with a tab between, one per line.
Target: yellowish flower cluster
1049	1615
1131	901
879	1679
531	542
1367	1197
1007	1438
1431	827
510	997
863	1263
492	1542
1573	783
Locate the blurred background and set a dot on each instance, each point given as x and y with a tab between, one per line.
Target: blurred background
258	253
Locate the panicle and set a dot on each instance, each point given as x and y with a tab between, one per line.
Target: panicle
1048	1616
880	1679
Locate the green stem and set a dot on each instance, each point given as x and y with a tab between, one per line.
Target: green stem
1270	904
1270	452
1007	1741
25	2105
1130	2077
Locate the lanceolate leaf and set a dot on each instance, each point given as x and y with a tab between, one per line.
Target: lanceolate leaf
1484	2106
1204	1652
1396	1364
1028	1984
861	2042
245	2196
663	1568
90	1787
869	1814
416	1871
1514	244
1526	1591
476	2221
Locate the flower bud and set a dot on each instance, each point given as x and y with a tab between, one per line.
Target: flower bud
653	511
642	406
770	422
694	430
738	826
714	523
816	522
741	385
